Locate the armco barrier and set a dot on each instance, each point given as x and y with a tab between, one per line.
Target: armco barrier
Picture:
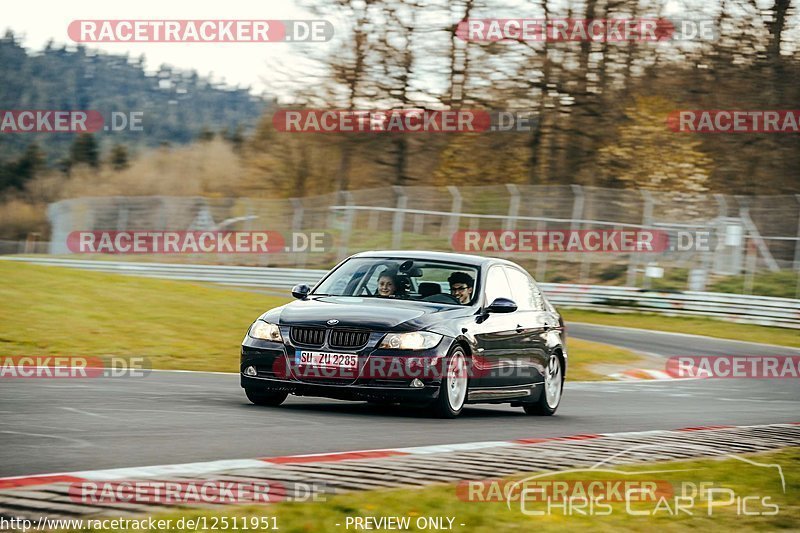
761	310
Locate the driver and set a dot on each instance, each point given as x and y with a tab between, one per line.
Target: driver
461	285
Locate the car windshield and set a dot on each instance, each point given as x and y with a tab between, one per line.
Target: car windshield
403	278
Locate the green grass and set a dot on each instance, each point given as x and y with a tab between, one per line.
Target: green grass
176	325
441	501
781	284
591	361
692	325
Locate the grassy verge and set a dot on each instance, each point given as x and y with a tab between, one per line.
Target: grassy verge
176	325
592	361
693	325
744	479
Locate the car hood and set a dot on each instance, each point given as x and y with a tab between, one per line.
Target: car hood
372	313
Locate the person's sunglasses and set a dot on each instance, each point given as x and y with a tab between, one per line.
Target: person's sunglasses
459	289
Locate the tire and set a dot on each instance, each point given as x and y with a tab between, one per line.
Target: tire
553	388
455	384
266	398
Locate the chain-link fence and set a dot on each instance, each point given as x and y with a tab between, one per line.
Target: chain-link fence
747	234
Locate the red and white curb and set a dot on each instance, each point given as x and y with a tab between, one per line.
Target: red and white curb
193	469
638	374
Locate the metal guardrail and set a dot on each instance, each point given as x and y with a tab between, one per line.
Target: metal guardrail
761	310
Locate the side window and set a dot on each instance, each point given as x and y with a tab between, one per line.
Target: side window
526	293
521	287
497	285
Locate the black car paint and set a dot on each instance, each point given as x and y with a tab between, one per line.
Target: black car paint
513	346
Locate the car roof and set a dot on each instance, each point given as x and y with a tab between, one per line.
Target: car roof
467	259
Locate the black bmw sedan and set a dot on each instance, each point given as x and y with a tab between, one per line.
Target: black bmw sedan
437	329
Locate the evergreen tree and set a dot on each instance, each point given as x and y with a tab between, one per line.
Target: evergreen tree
119	157
85	150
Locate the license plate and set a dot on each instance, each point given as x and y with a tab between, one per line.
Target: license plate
325	359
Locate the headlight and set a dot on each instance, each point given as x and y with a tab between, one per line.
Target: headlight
266	331
416	340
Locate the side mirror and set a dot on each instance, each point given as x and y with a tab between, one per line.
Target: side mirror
502	305
300	291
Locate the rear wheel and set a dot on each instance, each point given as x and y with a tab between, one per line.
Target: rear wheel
553	387
266	398
453	391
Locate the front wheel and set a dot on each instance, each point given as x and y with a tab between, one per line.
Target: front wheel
265	398
553	387
453	391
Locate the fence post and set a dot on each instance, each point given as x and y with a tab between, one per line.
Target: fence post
750	260
348	226
297	225
541	256
510	222
647	220
455	210
744	213
297	213
796	261
577	214
399	216
122	214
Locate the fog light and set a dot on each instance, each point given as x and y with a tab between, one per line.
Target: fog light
250	371
417	384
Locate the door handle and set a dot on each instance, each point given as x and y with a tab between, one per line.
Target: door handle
520	329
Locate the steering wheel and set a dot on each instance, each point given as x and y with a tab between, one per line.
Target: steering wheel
441	298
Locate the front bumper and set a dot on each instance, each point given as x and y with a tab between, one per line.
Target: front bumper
272	359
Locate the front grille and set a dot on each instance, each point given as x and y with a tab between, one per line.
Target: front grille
342	338
308	336
337	338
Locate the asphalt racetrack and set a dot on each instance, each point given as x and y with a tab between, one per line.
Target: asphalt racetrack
167	417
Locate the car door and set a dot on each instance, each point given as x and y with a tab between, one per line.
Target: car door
494	362
532	324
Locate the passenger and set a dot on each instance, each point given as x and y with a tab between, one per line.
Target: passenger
461	285
388	284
